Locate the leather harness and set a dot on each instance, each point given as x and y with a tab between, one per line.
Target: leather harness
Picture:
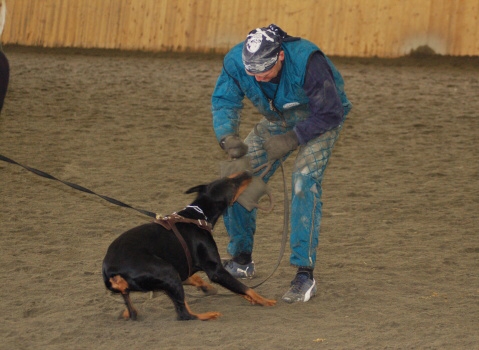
169	222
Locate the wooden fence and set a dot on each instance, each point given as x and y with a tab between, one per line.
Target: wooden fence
383	28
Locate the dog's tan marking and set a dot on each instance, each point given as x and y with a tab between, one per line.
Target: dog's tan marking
199	283
255	298
125	315
212	315
119	283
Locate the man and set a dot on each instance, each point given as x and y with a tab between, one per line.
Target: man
301	96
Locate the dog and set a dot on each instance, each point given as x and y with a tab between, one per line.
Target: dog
166	254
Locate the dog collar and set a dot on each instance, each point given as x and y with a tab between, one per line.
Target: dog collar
198	209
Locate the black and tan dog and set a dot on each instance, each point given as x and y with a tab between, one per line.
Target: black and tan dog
165	254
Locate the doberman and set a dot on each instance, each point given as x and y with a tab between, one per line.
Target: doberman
165	254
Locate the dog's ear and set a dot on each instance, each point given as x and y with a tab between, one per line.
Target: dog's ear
199	189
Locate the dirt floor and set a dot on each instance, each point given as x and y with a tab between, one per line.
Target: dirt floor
398	260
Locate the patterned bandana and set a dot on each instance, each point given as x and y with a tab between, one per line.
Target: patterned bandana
261	49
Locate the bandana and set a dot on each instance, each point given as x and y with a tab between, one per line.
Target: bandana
261	49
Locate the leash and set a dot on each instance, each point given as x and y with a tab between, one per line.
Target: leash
285	228
78	187
284	237
158	217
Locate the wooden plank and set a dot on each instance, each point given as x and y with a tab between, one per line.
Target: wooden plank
391	28
322	19
157	25
465	32
52	34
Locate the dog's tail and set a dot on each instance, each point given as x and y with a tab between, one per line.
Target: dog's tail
3	15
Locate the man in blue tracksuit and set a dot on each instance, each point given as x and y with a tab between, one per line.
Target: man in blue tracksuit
301	96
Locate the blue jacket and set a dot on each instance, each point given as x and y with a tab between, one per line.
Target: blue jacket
292	97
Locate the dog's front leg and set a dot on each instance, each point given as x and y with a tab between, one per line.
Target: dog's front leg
255	298
225	279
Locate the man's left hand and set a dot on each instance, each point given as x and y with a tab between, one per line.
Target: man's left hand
278	146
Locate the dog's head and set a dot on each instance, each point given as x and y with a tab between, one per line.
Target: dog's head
215	197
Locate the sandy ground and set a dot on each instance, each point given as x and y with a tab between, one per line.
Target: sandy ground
398	260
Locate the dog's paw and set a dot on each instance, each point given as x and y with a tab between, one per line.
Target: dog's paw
256	299
125	315
212	315
268	302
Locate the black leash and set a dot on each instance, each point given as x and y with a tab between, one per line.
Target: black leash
78	187
156	216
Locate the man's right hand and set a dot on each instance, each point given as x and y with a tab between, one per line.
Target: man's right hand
234	146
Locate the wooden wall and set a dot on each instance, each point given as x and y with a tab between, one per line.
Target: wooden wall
384	28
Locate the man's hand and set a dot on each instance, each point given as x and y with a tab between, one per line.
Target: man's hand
234	146
278	146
